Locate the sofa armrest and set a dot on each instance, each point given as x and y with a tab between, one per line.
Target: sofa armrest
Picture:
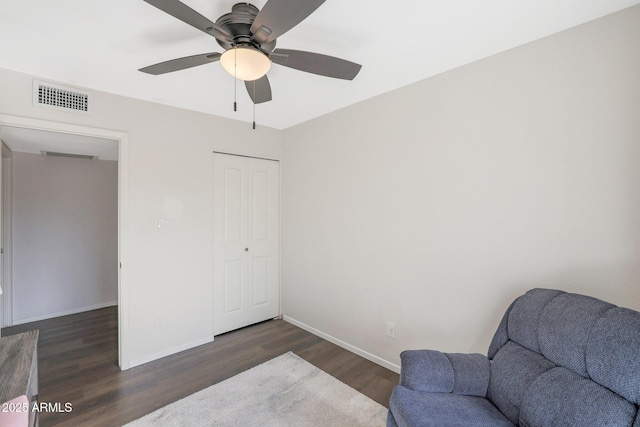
437	372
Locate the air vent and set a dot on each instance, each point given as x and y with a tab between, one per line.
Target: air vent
73	156
61	98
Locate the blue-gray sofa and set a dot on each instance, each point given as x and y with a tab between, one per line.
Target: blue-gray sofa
557	359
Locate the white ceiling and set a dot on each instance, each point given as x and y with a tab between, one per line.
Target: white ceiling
35	141
100	45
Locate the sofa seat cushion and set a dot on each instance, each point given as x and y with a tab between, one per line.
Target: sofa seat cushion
411	408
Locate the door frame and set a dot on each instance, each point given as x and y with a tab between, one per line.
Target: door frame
6	186
122	139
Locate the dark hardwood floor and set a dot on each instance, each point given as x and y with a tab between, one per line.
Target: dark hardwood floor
77	362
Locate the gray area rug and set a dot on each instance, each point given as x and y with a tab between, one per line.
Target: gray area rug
285	391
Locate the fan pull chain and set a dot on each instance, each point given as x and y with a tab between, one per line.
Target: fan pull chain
254	104
235	79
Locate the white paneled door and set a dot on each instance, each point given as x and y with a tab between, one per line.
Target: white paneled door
245	241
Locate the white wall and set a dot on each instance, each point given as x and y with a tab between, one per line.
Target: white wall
169	175
431	206
65	229
435	205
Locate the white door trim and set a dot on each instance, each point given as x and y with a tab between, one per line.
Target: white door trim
6	181
123	139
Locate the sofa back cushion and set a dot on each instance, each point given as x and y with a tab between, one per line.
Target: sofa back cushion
506	389
562	398
522	326
613	352
565	328
563	359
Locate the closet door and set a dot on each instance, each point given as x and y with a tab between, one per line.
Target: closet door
245	242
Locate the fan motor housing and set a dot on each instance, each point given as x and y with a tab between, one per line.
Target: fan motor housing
238	23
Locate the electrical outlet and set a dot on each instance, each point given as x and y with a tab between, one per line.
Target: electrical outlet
391	329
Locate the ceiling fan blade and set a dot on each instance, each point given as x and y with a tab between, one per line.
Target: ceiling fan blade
316	63
181	63
184	13
259	90
279	16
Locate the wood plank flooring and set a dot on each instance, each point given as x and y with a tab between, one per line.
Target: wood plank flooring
77	362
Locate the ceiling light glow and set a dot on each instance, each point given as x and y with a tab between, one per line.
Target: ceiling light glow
245	63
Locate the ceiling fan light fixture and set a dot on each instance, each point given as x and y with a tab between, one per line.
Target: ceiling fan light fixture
245	63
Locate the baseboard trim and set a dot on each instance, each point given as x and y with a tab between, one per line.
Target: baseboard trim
360	352
169	352
64	313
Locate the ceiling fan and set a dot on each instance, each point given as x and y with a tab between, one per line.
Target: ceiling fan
248	36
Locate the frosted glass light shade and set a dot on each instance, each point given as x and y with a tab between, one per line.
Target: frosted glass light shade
245	63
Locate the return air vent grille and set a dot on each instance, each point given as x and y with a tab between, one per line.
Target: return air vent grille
61	98
73	156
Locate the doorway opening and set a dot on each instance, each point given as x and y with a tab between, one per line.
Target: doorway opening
28	140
